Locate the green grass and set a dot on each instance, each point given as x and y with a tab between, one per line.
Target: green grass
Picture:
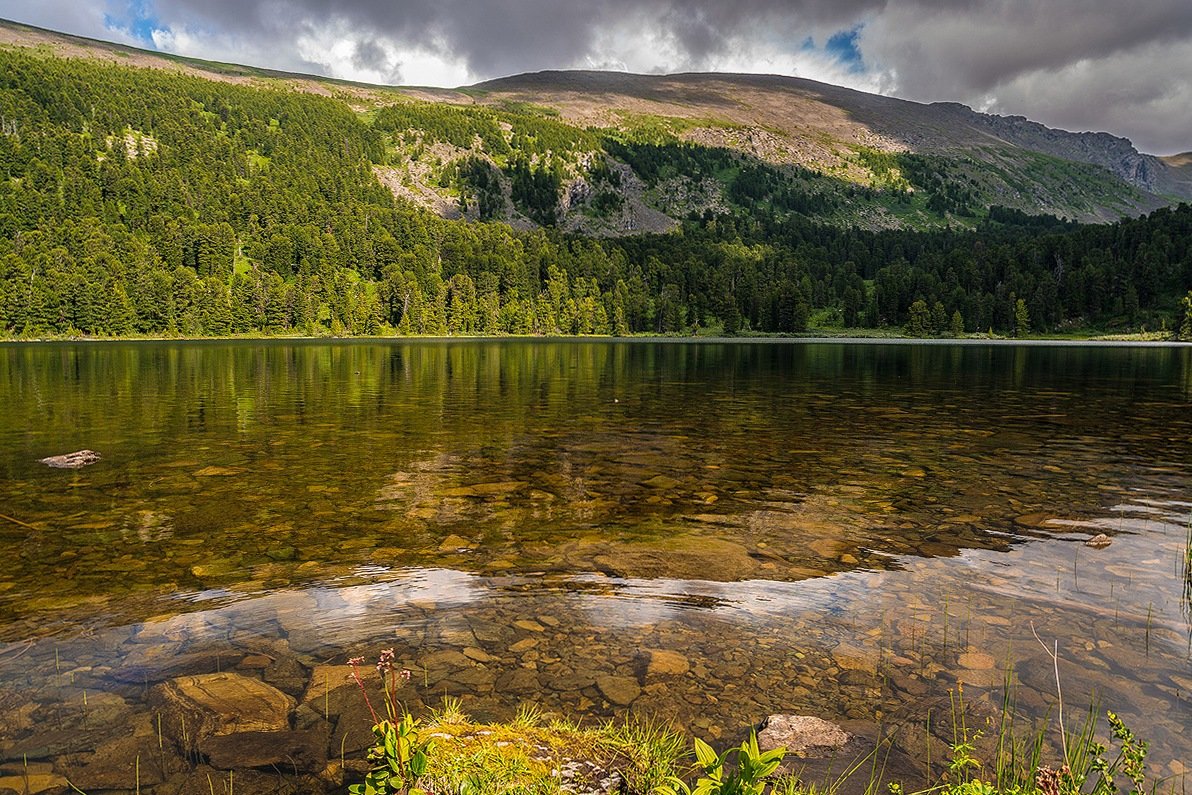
525	755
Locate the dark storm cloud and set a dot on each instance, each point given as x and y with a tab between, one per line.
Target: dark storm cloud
503	36
1122	65
371	54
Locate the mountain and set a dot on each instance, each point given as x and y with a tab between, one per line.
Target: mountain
149	194
847	157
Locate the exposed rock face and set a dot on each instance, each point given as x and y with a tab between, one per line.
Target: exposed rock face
1117	155
75	460
804	736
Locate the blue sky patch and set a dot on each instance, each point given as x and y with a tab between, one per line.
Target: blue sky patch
843	46
137	18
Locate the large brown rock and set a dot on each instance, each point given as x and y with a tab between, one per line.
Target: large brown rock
304	751
666	663
619	690
804	736
194	708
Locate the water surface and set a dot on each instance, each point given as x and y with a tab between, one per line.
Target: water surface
840	529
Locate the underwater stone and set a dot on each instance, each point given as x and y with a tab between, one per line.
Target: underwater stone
75	460
619	690
802	735
218	704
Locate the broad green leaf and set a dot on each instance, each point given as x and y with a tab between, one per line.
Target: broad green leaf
704	753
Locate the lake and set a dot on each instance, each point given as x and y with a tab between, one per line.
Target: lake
701	532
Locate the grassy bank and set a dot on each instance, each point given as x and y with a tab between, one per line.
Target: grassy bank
542	755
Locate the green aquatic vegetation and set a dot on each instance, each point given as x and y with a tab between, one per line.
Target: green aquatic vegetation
1086	768
753	767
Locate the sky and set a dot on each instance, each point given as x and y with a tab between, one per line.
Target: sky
1118	66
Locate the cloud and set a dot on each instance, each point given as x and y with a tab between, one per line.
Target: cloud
95	20
1117	65
1123	66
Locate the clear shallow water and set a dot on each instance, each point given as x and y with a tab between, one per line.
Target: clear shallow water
840	529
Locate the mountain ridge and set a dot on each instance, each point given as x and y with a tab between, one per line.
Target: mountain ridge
1115	153
778	121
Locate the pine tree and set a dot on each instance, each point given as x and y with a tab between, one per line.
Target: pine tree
244	305
122	317
1186	325
919	323
620	296
1022	321
957	324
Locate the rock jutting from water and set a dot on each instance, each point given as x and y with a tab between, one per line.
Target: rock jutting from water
75	460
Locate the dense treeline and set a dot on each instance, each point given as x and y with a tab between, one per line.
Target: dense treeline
148	202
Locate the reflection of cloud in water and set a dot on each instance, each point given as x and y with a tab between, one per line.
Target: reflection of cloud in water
374	601
338	613
639	602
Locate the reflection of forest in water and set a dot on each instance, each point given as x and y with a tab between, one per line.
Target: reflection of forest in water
267	464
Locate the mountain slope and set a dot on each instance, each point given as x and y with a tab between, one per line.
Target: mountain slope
821	125
846	157
204	199
798	106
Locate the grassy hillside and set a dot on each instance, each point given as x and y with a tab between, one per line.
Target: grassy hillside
144	195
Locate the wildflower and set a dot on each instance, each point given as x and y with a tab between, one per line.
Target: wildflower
355	662
1049	781
386	661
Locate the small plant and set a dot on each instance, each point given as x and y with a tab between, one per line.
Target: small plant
1186	571
399	756
753	769
1130	761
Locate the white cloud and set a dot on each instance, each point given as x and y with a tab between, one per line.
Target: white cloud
1124	66
70	16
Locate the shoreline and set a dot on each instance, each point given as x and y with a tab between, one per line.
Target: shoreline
819	338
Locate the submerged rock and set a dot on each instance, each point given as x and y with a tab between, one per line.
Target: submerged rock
208	705
619	690
855	658
1099	541
666	663
303	750
75	460
804	736
121	764
33	783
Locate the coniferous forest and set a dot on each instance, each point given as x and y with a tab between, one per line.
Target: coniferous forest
150	202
